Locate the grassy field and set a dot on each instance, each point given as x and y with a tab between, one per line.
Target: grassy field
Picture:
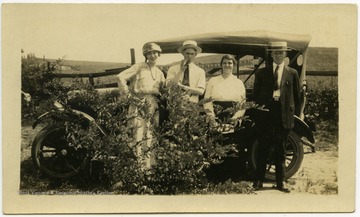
76	66
320	82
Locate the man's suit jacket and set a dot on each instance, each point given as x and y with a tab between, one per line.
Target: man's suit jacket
289	92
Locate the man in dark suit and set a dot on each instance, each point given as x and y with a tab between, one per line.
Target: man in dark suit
277	87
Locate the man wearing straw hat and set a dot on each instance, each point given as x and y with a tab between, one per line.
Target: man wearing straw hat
277	87
186	74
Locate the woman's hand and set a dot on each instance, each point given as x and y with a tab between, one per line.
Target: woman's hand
235	121
27	96
212	121
182	86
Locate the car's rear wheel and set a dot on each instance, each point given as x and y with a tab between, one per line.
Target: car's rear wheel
293	160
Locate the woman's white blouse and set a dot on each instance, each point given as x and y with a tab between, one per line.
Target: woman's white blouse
224	89
142	79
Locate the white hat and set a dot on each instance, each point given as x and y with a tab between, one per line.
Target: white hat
278	46
190	44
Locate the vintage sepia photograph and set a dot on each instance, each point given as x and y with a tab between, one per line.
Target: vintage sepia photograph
179	108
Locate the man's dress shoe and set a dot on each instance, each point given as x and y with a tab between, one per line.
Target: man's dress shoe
282	188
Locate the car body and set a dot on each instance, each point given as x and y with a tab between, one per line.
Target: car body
253	43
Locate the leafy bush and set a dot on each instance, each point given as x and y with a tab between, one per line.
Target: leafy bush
117	148
185	144
322	108
37	79
108	140
323	104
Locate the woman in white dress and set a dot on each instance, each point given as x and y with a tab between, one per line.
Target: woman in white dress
145	80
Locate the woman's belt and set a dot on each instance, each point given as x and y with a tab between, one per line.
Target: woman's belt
222	114
224	104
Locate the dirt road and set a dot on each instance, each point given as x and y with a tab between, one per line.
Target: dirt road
317	175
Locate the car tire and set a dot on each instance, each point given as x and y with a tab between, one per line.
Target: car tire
294	157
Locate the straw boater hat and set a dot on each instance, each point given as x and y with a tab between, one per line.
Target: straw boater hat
278	46
189	44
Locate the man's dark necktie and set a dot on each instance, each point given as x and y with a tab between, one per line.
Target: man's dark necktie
185	80
276	84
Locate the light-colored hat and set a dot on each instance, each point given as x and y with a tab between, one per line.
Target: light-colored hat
190	44
278	46
148	47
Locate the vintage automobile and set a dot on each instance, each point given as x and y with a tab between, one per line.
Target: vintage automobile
252	45
247	45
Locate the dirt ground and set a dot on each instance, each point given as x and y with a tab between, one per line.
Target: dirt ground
317	174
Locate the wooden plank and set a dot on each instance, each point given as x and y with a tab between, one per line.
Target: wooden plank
322	73
107	85
308	73
94	75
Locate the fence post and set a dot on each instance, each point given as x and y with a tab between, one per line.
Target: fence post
91	80
132	53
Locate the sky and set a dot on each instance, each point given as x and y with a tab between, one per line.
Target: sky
106	32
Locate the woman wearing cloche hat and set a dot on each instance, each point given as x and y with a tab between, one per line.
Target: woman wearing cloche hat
145	80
